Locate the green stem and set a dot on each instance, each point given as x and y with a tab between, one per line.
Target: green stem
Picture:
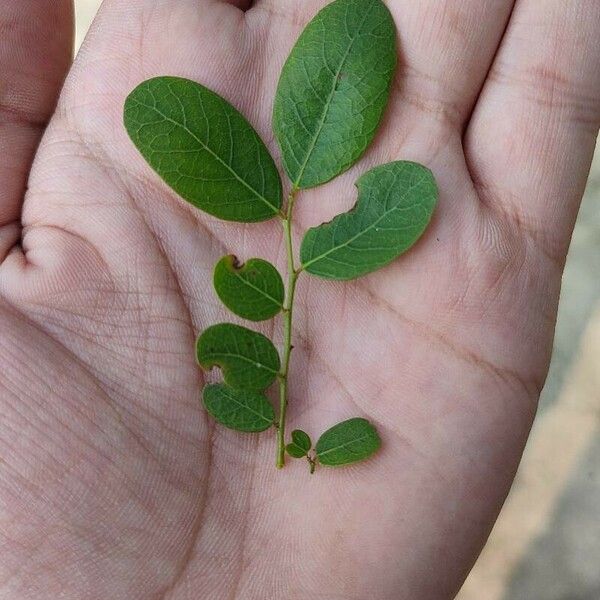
288	310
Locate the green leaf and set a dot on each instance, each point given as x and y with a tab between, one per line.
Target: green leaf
295	451
300	445
301	439
395	204
253	290
248	359
242	410
333	90
348	442
204	149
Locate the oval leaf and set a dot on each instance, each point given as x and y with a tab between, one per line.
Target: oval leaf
333	90
301	439
295	451
300	445
348	442
242	410
248	359
395	204
204	149
253	290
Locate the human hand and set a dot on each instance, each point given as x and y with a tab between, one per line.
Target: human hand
113	482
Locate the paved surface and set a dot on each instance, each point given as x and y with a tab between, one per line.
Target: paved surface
546	544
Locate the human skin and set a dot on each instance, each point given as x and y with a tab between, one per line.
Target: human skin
114	483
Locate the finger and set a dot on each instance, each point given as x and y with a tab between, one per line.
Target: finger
532	135
241	4
445	46
35	52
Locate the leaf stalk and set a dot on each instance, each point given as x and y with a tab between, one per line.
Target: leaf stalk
288	312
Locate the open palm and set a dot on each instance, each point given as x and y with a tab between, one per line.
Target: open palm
113	482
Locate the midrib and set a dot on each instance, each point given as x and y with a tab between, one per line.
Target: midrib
327	104
211	152
360	233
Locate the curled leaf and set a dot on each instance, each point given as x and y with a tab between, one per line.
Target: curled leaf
248	359
395	204
253	290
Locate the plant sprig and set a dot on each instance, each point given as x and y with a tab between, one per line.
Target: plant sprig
330	99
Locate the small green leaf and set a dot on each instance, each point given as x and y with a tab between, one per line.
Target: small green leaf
204	149
300	445
348	442
248	359
333	90
395	204
242	410
253	291
295	451
301	439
